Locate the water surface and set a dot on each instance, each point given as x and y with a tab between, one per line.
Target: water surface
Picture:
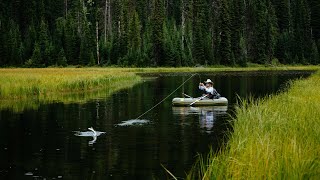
41	143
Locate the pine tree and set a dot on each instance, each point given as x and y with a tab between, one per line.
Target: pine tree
36	56
199	32
301	28
315	57
282	10
243	52
315	18
62	60
13	43
134	37
157	33
237	30
225	43
260	28
272	31
44	42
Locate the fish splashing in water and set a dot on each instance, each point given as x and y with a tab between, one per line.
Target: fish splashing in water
90	133
133	122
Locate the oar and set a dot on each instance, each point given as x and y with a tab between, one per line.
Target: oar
198	99
186	95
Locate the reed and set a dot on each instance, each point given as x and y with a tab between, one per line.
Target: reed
21	83
22	89
276	137
28	88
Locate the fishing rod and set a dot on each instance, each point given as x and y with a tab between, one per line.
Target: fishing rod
166	97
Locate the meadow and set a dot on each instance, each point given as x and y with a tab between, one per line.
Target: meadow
22	89
27	88
276	137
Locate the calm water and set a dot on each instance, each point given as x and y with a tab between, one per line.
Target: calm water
40	144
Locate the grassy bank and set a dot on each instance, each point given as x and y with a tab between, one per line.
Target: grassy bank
277	137
22	88
20	83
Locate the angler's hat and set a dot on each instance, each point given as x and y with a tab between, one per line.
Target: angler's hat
208	81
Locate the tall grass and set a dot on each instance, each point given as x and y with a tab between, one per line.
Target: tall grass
277	137
28	88
18	83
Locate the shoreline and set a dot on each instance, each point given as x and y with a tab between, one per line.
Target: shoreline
275	137
69	85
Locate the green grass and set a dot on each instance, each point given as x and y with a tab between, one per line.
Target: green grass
22	88
277	137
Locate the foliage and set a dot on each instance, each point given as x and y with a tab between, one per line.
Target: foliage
151	33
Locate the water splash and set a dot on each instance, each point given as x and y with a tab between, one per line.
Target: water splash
92	133
133	122
87	133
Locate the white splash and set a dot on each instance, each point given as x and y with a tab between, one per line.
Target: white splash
92	133
133	122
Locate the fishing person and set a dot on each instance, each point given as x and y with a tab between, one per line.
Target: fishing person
210	92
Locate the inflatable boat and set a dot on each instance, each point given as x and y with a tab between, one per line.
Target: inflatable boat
222	101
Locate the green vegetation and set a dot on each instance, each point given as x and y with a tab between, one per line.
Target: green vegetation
28	88
141	33
276	137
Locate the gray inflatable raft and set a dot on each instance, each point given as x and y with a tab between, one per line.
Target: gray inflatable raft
222	101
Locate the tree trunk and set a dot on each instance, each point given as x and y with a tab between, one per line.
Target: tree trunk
105	22
97	39
109	19
183	18
66	8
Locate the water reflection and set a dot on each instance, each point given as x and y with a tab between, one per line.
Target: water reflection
41	141
207	115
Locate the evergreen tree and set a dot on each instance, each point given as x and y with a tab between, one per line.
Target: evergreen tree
13	43
315	57
36	56
315	18
157	33
225	43
237	30
44	42
260	31
282	10
134	39
62	60
272	32
199	26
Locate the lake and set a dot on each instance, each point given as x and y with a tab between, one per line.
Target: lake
44	143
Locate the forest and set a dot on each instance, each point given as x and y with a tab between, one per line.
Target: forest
151	33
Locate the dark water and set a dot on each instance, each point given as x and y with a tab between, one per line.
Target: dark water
40	144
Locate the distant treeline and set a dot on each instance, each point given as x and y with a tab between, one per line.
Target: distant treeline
40	33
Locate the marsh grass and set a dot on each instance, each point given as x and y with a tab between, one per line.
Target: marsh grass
28	88
277	137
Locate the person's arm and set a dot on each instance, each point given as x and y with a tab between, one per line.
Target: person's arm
201	86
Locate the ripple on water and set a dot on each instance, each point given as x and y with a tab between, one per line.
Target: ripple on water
133	122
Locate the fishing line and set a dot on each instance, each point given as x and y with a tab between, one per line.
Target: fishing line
199	76
165	97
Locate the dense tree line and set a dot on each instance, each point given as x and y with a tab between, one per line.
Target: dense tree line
40	33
